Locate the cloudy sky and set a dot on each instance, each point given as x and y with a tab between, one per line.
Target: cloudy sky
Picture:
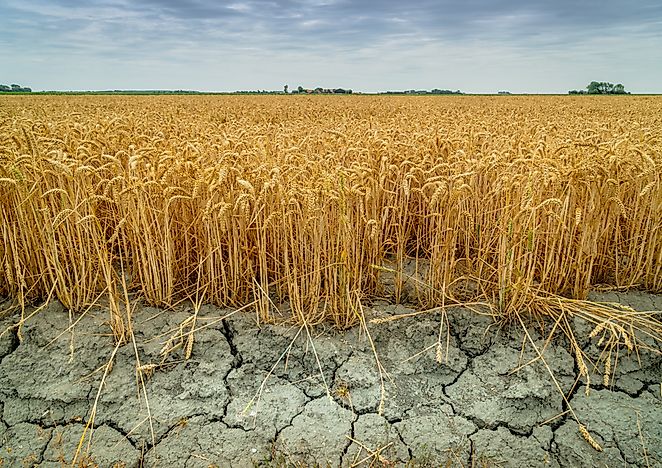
369	45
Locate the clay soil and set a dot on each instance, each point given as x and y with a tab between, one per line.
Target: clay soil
275	396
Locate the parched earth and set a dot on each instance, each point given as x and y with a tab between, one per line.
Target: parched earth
288	396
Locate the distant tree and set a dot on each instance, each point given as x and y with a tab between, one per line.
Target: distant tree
593	87
285	89
603	87
14	88
300	89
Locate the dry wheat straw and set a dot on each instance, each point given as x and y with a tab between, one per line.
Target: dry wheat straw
283	200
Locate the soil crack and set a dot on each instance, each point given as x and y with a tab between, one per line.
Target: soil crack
14	342
339	366
350	440
228	333
42	452
291	423
399	434
174	426
124	434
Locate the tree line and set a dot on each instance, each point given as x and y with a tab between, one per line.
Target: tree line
425	91
601	87
14	88
302	90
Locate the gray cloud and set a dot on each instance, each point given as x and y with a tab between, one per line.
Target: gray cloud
528	46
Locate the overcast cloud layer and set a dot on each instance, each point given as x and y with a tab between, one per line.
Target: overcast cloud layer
369	45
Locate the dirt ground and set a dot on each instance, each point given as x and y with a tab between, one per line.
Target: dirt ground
277	396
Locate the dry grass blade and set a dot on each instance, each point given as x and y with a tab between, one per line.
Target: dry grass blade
89	426
255	401
380	368
374	456
582	429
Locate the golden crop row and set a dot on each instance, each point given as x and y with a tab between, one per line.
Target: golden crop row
321	201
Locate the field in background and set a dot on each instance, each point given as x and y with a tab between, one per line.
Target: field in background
320	200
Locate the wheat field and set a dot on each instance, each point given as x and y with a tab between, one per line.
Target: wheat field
315	200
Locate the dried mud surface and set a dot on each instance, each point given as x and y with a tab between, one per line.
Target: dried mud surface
257	396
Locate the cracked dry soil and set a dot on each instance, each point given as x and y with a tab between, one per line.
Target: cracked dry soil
478	407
